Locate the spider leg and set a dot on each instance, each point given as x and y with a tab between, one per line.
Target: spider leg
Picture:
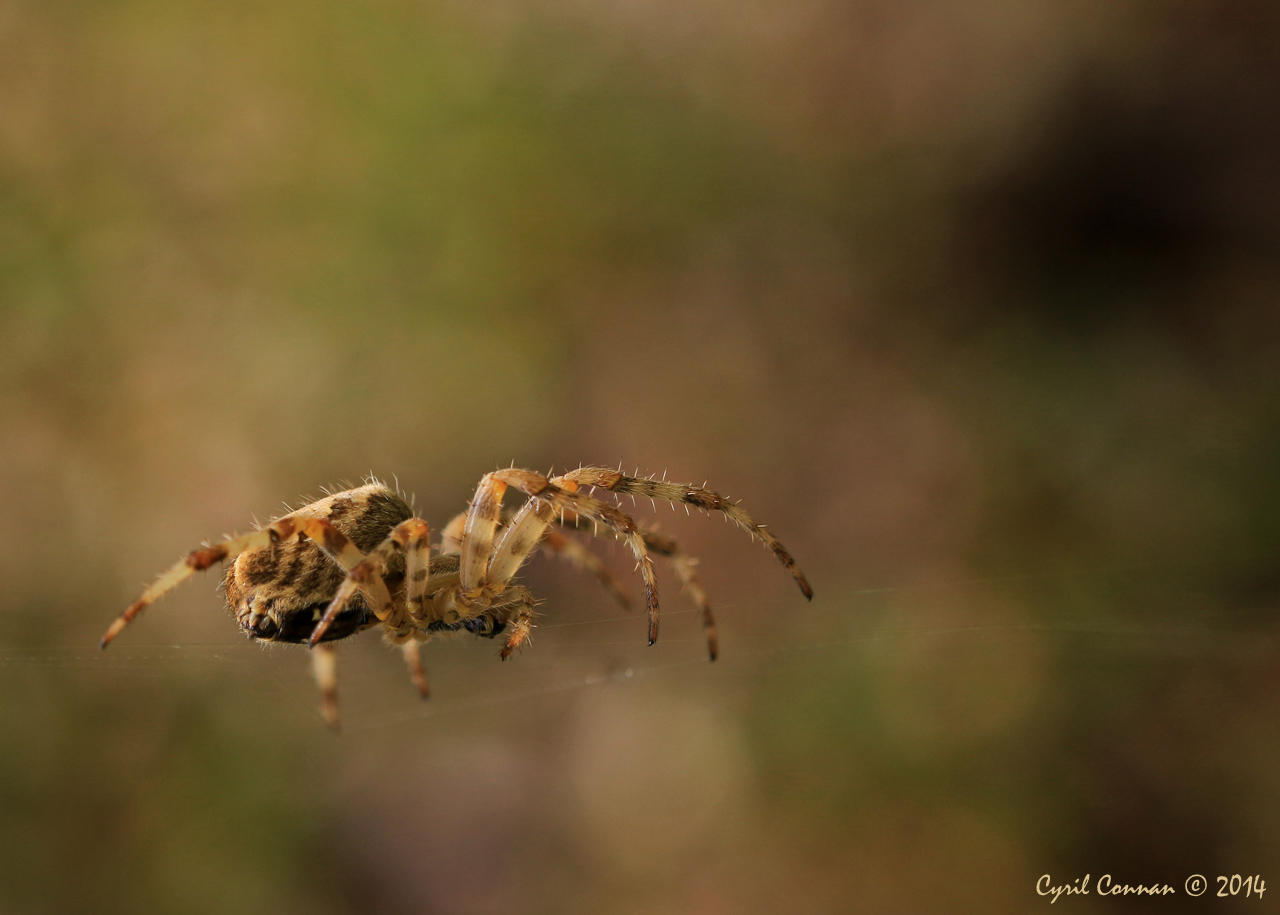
517	541
413	537
660	545
324	665
478	587
685	494
417	546
531	525
557	543
521	621
332	541
686	567
576	553
413	658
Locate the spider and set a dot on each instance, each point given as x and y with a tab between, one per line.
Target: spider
360	559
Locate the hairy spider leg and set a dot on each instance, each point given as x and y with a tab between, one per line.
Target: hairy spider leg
531	525
331	540
532	522
486	509
324	666
517	540
687	494
577	554
417	547
413	536
521	621
686	567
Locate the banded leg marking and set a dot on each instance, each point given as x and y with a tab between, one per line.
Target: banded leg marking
521	622
686	568
518	540
697	496
486	508
366	575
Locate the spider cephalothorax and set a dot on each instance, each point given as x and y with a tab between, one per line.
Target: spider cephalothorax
359	559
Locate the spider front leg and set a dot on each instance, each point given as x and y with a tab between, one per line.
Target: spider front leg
578	555
557	543
687	494
486	570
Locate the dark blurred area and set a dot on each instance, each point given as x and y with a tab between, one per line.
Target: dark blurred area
974	304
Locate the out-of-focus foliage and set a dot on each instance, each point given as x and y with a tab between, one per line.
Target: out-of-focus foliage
975	304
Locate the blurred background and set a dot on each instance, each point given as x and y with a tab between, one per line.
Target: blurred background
974	304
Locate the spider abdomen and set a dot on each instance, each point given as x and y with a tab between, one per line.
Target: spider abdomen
278	593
